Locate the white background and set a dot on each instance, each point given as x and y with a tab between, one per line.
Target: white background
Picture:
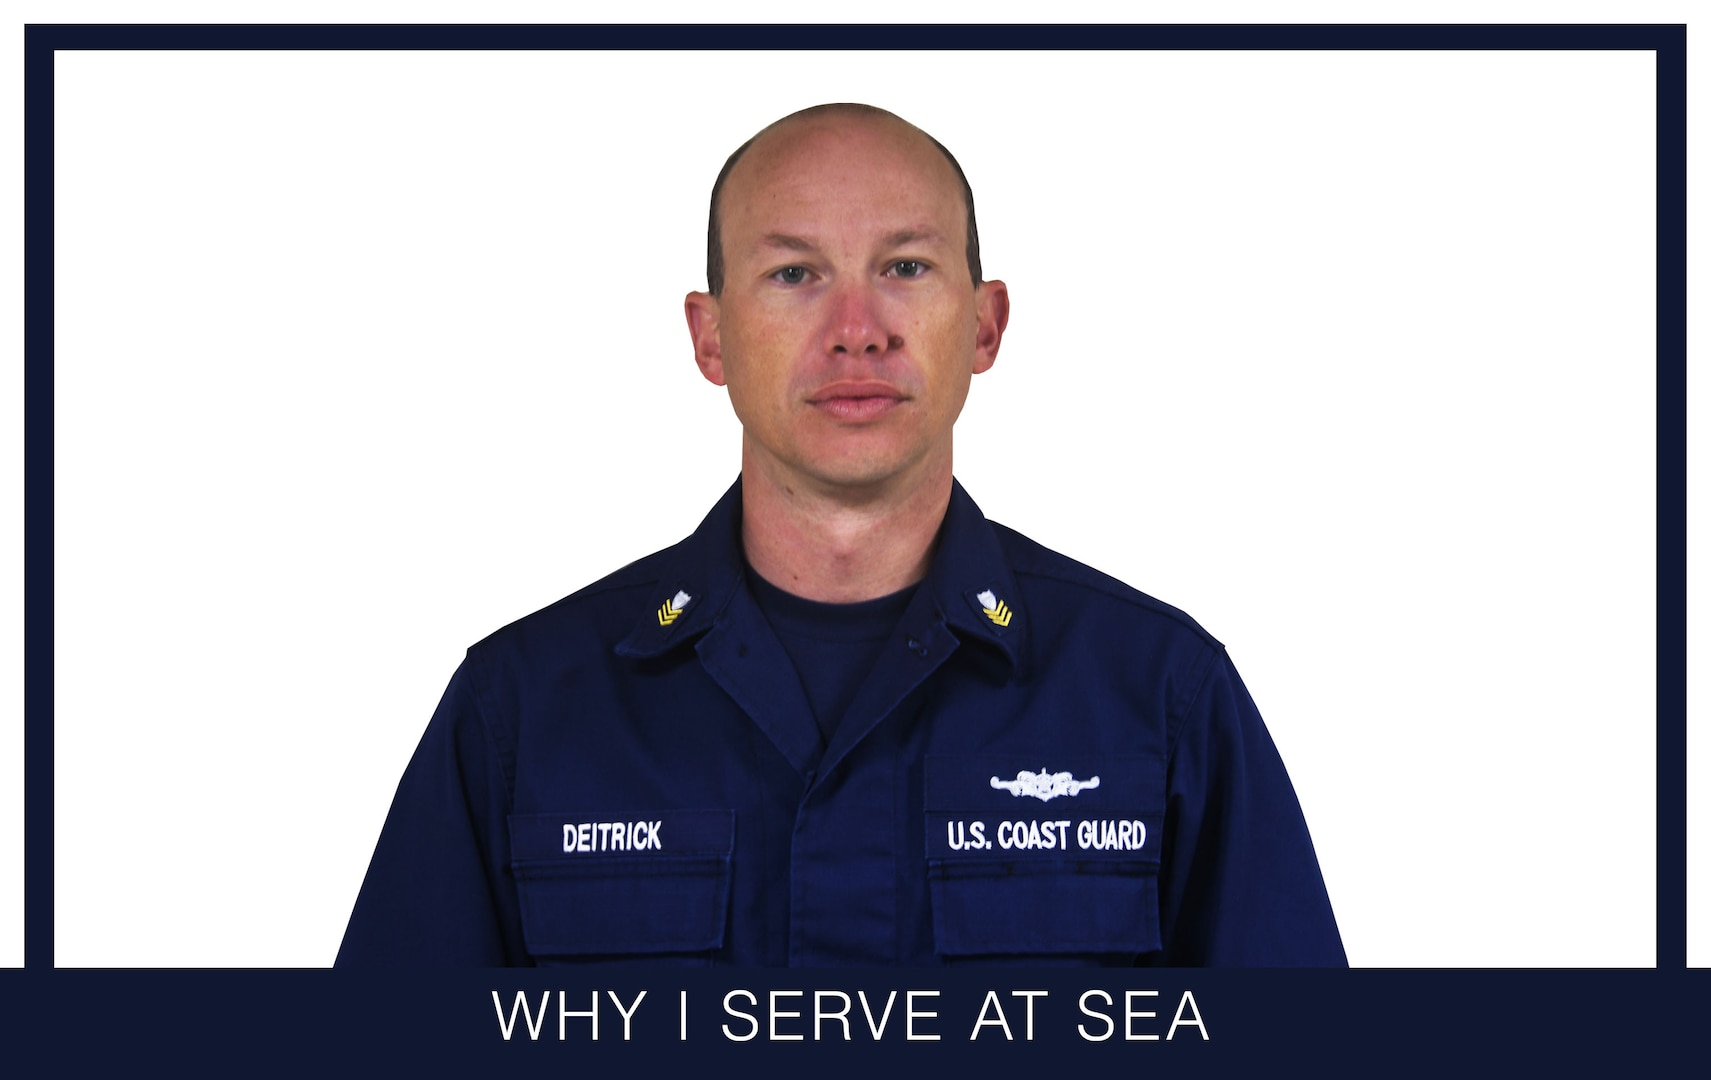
362	355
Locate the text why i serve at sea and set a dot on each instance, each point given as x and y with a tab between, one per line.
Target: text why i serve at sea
837	1016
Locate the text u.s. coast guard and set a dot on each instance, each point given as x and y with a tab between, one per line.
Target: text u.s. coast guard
1109	834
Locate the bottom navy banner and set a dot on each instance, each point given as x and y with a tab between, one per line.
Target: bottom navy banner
543	1022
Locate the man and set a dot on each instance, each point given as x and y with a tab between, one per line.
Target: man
848	721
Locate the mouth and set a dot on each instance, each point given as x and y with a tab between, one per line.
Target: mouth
856	402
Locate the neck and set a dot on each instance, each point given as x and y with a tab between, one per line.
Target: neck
841	547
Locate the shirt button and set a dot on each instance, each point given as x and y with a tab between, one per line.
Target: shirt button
917	648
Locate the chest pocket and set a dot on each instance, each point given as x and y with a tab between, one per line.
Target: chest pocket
634	887
1057	863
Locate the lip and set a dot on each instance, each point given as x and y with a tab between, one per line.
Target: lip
856	400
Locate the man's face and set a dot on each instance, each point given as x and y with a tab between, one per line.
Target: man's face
848	328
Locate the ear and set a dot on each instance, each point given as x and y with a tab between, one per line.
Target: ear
702	311
992	315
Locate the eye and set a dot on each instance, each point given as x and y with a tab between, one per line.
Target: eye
908	268
791	275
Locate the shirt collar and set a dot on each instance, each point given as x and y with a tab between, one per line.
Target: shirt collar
969	581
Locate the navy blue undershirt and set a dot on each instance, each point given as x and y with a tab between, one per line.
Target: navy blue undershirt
834	646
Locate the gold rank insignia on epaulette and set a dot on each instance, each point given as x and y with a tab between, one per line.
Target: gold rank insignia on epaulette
671	609
995	609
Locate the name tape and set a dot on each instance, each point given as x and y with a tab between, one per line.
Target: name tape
595	836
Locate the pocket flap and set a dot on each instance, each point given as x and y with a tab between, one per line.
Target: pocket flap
1045	857
609	884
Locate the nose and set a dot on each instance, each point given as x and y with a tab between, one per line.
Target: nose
857	325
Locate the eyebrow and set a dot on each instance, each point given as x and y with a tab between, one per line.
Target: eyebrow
912	236
786	241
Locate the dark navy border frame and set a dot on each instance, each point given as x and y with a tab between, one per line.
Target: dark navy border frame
287	1020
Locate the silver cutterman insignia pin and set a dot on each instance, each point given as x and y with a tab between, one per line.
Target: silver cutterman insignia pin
1043	785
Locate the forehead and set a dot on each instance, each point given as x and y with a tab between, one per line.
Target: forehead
876	171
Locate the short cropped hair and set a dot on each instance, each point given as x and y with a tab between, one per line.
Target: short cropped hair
715	243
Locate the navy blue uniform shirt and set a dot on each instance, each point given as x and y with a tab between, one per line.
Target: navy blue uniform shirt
1044	766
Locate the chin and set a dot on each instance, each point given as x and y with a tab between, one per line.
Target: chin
847	476
858	472
851	461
